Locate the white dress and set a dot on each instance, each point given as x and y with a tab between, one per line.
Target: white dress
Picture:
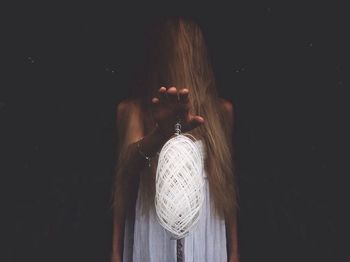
145	240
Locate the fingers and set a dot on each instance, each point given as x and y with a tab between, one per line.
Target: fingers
162	94
172	94
160	97
155	103
183	96
155	100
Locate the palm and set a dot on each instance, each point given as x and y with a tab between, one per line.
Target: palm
172	106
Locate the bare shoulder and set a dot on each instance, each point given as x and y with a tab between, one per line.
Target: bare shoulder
227	106
129	121
126	106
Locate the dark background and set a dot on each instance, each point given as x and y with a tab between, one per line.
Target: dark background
285	68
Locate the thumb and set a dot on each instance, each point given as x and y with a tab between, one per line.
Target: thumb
195	121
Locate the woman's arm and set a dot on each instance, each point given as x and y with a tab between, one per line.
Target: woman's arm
133	163
169	104
231	224
231	232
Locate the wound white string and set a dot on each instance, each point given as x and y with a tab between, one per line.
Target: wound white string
179	185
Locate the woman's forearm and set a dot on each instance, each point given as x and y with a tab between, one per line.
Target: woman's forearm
132	163
149	145
117	242
231	232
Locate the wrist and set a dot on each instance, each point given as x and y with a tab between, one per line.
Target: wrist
150	145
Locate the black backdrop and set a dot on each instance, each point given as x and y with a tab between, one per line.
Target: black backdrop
285	68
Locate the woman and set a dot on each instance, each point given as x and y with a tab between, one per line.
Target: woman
179	82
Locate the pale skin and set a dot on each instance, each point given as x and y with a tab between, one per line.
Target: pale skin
167	106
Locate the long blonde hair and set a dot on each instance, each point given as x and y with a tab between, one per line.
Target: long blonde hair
179	57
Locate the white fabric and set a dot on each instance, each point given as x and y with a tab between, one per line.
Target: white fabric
145	240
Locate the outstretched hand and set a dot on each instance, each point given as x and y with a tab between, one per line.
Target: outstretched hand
169	106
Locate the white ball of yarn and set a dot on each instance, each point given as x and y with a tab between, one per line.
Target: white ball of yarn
179	185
